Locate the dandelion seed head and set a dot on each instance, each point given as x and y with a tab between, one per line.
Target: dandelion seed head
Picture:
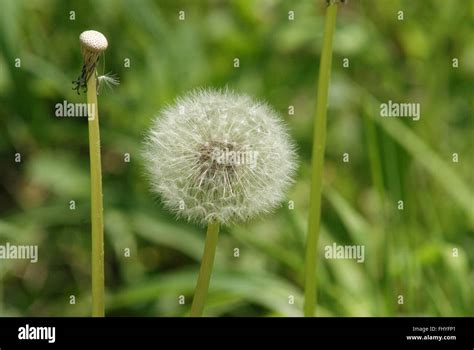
93	43
93	40
227	158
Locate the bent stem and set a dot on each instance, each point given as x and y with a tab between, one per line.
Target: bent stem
317	161
205	271
97	220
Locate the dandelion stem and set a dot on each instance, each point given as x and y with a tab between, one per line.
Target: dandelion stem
97	220
206	269
317	161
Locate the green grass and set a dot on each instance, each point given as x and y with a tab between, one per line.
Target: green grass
408	252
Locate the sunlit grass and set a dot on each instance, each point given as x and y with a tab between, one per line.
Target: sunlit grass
398	159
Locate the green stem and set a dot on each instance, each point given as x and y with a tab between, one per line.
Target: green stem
97	220
206	269
317	161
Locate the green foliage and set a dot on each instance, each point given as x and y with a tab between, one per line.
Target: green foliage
408	252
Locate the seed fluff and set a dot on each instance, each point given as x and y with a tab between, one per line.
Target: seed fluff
215	155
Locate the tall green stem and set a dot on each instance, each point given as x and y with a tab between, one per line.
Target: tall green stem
317	161
97	220
206	269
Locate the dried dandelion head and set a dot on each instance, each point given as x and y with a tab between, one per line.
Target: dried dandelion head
93	43
219	156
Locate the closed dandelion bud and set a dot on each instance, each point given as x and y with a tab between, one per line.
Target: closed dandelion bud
217	156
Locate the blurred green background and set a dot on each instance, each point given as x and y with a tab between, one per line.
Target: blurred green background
408	252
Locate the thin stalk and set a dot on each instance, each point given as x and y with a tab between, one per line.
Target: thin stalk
205	271
97	220
317	161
